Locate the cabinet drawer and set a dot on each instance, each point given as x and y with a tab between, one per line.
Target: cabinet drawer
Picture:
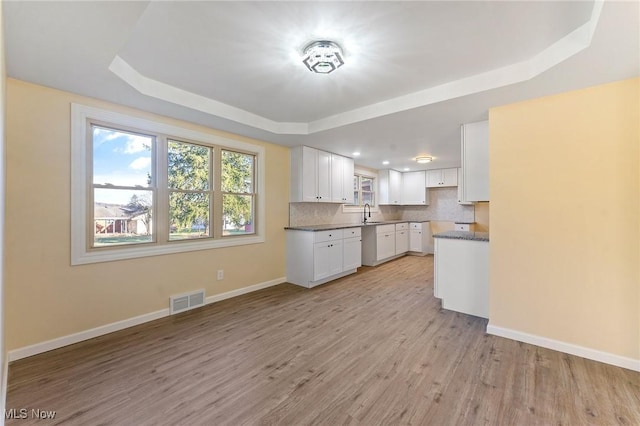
352	232
402	226
322	236
463	227
416	226
383	229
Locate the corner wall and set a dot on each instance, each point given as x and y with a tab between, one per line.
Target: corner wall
565	234
46	297
3	352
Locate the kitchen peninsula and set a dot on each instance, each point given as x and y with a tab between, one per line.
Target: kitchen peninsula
461	271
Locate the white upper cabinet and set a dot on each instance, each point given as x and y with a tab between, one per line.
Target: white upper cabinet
461	200
390	187
310	175
342	169
319	176
475	161
414	189
442	177
324	176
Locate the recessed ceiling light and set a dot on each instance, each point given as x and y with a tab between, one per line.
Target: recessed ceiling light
406	169
323	57
355	154
423	159
385	162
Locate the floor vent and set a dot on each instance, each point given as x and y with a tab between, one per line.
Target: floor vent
186	301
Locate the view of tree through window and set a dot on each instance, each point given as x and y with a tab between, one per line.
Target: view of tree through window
138	179
189	182
143	188
238	193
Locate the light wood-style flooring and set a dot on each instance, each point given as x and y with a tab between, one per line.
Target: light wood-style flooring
374	348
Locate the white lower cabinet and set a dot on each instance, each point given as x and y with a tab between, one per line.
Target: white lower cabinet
385	245
379	243
352	253
469	227
327	259
402	238
461	275
314	258
420	238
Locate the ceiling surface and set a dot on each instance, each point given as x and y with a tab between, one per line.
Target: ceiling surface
414	71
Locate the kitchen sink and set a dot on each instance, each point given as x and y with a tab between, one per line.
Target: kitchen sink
372	223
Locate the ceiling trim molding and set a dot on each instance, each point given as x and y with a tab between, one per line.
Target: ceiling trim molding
157	89
561	50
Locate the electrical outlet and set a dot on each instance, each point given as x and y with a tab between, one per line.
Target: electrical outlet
220	274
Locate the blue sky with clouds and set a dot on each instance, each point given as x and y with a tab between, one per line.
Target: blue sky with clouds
121	159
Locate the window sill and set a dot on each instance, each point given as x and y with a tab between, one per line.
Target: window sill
83	257
358	209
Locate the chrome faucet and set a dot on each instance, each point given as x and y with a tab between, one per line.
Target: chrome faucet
364	212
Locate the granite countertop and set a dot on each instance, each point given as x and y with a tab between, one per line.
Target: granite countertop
314	228
463	235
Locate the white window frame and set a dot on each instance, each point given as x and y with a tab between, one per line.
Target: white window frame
80	251
358	209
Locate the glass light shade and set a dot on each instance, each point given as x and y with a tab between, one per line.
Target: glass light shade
323	57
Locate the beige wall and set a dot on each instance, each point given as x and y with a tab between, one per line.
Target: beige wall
565	234
3	354
46	298
482	217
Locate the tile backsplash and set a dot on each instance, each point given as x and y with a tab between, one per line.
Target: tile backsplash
302	214
443	207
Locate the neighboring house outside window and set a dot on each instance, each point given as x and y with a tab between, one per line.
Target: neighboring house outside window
155	189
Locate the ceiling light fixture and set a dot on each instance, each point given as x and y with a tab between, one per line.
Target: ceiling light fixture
355	154
385	162
323	57
423	159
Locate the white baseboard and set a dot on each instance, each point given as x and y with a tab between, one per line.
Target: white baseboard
581	351
70	339
244	290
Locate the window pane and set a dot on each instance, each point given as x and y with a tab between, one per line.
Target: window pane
121	216
355	183
237	211
367	197
188	166
367	184
121	158
356	198
188	215
237	172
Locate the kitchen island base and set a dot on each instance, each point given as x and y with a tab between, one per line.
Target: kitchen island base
461	272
